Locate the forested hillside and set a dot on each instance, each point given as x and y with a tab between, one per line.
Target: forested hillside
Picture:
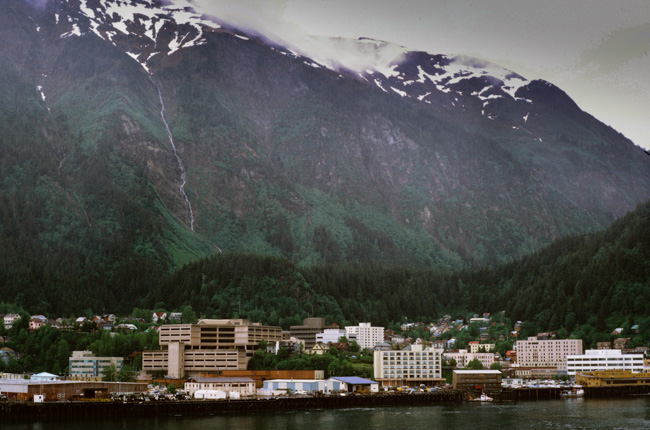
587	284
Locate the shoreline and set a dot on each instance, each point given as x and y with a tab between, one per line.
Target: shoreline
48	411
27	411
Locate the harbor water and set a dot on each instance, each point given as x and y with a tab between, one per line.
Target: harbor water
552	414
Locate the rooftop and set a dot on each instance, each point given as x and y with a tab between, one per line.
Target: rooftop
354	380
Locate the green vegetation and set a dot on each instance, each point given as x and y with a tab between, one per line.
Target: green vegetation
333	363
48	349
581	285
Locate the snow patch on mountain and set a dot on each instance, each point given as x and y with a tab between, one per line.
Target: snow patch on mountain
144	20
76	31
136	26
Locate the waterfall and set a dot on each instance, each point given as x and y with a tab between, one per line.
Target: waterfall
178	158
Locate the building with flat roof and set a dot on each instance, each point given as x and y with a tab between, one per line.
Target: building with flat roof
24	389
476	379
209	346
475	347
347	384
242	385
547	353
331	335
84	365
413	365
365	334
604	359
307	331
295	385
259	376
612	378
463	357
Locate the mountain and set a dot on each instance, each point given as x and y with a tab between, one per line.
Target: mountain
142	135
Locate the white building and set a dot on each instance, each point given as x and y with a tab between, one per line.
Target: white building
546	353
413	365
331	335
463	357
44	376
348	384
475	347
365	335
83	364
283	386
604	359
242	385
10	319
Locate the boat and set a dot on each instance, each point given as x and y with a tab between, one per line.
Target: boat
573	393
482	398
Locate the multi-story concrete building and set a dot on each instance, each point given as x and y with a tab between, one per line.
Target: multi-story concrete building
604	359
463	357
475	347
546	353
365	334
209	346
413	365
83	364
307	331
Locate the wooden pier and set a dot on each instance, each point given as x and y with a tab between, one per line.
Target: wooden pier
26	411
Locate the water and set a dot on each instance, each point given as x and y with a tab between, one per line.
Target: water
554	414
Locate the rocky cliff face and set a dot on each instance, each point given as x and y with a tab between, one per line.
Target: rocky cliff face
171	136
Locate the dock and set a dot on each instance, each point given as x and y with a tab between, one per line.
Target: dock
27	411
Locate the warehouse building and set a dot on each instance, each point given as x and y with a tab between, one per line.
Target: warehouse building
25	390
477	379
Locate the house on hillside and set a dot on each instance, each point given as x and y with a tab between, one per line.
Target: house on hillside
159	317
318	349
10	319
621	342
176	317
36	322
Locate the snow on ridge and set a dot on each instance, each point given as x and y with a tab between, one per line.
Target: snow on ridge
499	82
152	15
74	32
400	92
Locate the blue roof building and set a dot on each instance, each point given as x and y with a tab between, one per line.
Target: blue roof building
353	384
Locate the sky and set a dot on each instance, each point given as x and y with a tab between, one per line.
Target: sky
595	50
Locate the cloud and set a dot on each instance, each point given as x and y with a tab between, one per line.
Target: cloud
40	4
265	19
